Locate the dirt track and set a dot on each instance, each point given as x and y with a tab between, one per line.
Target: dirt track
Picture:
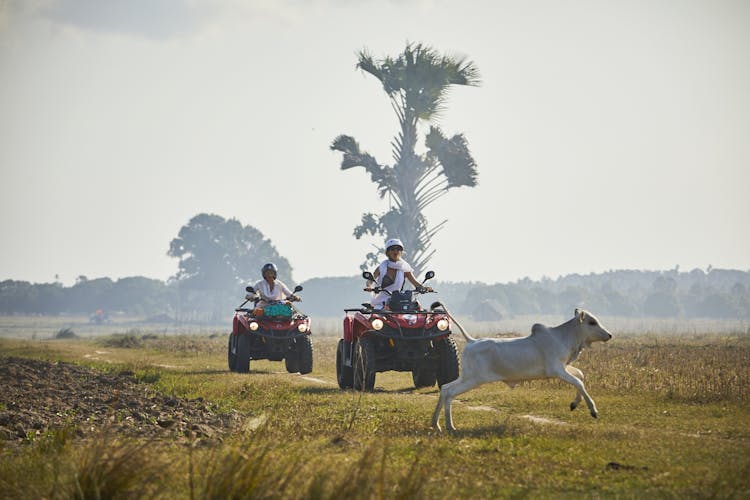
37	396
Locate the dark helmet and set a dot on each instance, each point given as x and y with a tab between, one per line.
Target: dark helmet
269	267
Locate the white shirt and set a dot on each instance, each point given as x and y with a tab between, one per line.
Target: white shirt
280	290
401	267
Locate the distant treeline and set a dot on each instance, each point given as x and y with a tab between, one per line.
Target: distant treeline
715	293
136	295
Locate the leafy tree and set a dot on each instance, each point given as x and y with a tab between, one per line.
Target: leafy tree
141	295
17	297
216	253
662	301
718	305
417	83
88	295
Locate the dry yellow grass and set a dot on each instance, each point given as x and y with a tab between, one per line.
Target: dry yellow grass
674	422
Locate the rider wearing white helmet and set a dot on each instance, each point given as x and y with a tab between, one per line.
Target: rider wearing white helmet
392	273
270	289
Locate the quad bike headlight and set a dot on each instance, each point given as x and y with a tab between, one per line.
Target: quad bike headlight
377	324
302	328
442	325
253	325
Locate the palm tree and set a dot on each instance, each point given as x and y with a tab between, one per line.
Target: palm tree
417	84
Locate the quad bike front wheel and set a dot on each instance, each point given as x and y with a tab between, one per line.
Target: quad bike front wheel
364	365
344	374
448	363
242	363
304	354
291	362
232	352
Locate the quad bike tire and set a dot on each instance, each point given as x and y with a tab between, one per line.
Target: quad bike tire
449	364
242	363
364	365
304	353
291	362
232	353
344	374
423	377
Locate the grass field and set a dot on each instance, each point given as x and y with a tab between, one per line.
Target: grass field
674	422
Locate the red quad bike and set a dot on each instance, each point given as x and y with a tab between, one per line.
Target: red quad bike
403	338
281	333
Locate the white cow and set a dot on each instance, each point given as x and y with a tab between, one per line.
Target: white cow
546	353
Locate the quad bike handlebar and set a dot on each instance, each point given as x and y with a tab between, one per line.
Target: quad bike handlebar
378	289
251	290
420	289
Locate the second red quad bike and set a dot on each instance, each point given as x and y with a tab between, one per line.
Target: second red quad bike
276	332
402	337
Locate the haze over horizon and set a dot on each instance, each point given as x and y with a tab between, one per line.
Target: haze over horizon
608	135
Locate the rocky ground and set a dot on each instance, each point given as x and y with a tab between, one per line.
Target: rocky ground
39	396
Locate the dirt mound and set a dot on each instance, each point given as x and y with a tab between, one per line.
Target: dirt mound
38	396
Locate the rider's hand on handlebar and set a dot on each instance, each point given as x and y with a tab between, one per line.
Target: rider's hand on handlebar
424	289
250	296
294	298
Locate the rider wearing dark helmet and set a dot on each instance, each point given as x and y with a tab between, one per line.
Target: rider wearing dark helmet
270	289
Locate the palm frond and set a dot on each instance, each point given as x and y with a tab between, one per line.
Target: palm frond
454	156
371	224
386	71
382	175
353	157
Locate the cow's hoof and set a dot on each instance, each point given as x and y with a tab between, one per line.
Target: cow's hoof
573	406
594	414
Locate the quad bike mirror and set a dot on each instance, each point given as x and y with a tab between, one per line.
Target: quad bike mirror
249	289
297	288
429	275
368	276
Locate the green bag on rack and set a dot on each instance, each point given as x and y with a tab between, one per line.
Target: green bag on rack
278	310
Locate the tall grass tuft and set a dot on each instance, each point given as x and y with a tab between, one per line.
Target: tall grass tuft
267	471
110	468
247	472
372	478
124	340
57	466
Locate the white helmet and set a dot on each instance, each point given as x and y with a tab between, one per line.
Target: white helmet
394	242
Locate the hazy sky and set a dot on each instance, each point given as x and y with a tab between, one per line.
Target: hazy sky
609	135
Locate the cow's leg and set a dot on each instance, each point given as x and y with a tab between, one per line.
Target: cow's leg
436	413
450	391
579	374
578	384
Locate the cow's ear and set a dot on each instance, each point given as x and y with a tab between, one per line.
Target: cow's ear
581	315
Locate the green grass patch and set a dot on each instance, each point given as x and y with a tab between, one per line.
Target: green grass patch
674	422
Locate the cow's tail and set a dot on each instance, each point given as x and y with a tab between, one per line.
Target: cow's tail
469	338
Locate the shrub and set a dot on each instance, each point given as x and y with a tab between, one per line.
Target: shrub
66	333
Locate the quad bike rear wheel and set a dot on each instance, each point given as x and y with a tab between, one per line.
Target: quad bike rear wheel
364	365
423	377
344	374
